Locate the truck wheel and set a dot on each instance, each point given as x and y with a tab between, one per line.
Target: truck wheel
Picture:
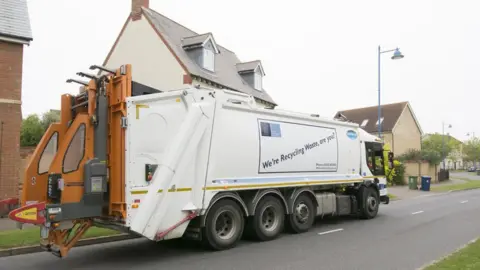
224	225
303	216
370	202
268	221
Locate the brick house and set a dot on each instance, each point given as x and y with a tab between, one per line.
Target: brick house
400	128
167	55
15	32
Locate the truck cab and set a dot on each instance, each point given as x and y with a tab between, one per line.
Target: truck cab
375	162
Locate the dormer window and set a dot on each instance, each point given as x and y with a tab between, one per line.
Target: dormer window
381	120
208	59
364	123
202	49
252	73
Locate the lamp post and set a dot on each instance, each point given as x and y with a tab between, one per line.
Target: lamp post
443	143
473	137
396	55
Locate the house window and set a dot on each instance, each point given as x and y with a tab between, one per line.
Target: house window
258	81
208	59
364	123
381	121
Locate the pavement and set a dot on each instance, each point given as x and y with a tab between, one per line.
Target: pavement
403	192
406	234
8	224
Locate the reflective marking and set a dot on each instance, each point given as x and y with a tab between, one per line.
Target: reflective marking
137	192
418	212
137	108
463	201
284	184
332	231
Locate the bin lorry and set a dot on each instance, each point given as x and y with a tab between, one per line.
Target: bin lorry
196	163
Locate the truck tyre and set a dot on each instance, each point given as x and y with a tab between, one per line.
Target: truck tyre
268	221
303	215
224	225
369	202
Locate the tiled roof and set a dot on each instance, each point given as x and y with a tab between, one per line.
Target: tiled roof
226	73
14	19
390	113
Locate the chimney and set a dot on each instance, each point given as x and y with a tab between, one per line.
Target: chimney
137	8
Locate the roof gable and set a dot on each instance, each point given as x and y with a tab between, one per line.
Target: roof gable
409	107
199	41
251	66
389	112
14	20
226	74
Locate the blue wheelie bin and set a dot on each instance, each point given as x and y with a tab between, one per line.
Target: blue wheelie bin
426	183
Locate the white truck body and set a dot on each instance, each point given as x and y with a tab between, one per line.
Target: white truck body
205	142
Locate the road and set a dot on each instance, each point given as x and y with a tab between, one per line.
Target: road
406	235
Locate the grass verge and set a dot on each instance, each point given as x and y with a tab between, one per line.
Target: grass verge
465	258
31	236
469	184
392	197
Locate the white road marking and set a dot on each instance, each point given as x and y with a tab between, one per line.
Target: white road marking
332	231
464	201
418	212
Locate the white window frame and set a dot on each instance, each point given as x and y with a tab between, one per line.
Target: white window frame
257	81
208	59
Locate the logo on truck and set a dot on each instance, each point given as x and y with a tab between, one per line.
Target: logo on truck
352	134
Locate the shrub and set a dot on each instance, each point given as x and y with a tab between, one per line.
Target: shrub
396	174
398	178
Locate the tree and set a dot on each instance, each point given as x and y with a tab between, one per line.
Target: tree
31	131
433	157
33	128
438	143
49	118
471	150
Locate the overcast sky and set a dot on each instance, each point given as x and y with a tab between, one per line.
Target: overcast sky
319	56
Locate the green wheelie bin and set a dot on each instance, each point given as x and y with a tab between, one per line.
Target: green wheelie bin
413	182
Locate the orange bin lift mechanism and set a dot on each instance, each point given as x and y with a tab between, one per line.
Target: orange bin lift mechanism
118	90
62	139
36	173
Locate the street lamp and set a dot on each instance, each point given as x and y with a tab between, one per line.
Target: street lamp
396	55
473	137
443	143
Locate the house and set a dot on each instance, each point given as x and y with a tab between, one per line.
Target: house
399	126
167	55
454	160
15	32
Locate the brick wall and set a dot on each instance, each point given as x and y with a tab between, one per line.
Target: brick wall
11	60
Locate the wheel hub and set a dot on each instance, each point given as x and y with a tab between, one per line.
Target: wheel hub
302	213
225	225
371	203
270	219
